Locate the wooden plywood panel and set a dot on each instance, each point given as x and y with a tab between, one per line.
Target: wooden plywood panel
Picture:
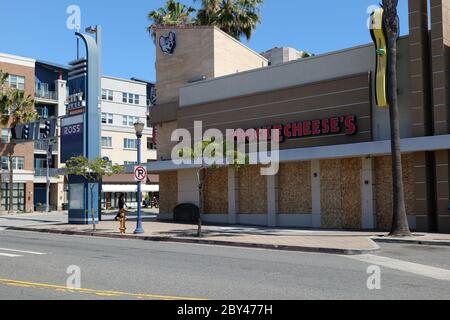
294	188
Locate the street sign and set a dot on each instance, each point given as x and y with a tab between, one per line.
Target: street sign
140	173
72	137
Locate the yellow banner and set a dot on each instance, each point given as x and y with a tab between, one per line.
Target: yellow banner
379	38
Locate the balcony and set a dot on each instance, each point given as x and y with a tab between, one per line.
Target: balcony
42	92
43	145
42	172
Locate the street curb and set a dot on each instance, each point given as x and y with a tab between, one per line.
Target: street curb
412	241
207	242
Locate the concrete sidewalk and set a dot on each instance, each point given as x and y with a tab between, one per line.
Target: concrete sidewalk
336	242
323	241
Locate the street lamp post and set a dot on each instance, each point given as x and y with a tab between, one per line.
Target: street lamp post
139	127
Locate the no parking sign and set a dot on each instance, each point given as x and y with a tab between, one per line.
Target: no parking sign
140	173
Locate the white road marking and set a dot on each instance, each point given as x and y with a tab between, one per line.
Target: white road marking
405	266
9	255
21	251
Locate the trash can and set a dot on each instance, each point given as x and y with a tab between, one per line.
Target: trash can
186	212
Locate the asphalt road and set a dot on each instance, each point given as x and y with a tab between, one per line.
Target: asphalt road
34	266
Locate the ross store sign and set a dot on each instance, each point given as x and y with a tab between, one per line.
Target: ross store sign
72	137
311	128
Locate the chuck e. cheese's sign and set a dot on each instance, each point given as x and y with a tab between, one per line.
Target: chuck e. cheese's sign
346	125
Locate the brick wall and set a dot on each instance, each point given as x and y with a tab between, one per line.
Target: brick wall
23	150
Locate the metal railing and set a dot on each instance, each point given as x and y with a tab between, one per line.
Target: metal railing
43	145
42	172
45	94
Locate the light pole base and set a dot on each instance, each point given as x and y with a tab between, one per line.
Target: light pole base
139	230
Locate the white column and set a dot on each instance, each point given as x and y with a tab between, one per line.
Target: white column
188	187
60	86
367	196
315	192
232	195
271	201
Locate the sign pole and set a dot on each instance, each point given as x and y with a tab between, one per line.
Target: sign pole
139	229
47	179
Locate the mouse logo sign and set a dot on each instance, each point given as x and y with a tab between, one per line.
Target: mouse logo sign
168	43
140	173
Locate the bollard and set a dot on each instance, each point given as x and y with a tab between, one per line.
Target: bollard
122	220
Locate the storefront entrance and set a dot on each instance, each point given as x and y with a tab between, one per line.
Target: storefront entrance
18	197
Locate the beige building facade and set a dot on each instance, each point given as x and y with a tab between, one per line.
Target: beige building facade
335	166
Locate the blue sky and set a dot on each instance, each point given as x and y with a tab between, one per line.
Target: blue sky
37	29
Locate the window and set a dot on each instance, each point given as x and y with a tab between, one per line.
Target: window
107	95
107	118
76	196
18	163
129	121
130	98
18	201
16	82
151	145
129	143
6	135
106	142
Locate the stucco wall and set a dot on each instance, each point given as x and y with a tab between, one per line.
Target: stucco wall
294	188
226	49
193	57
163	133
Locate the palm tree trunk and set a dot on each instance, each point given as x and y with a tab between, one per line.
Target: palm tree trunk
400	227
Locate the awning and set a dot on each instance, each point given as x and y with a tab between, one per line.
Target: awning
129	188
361	149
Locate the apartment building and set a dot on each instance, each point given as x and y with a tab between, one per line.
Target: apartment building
123	103
21	72
50	101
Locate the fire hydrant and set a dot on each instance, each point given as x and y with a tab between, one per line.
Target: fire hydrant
122	220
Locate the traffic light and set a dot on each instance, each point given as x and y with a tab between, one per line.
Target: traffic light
26	132
47	129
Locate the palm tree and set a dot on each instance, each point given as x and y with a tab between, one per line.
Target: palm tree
173	13
400	227
238	18
15	108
